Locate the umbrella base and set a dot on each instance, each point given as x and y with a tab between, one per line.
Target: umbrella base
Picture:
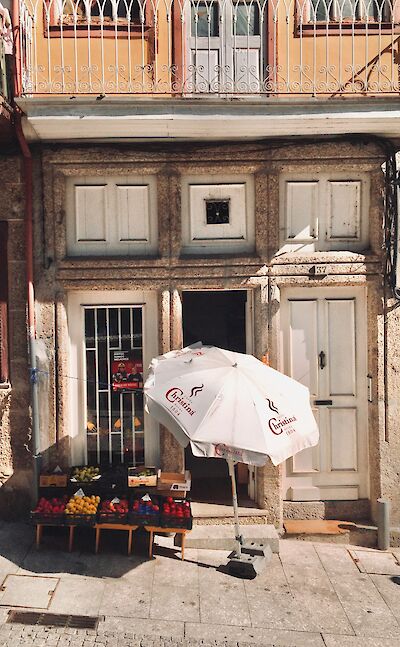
251	562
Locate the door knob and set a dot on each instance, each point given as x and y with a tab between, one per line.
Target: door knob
322	360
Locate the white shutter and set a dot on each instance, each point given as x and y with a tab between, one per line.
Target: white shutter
133	214
344	210
301	211
90	214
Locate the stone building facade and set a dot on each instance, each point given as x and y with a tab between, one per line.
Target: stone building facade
298	281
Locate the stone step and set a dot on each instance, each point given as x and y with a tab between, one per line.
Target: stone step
332	531
222	536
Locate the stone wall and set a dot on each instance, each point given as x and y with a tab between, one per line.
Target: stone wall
15	458
169	272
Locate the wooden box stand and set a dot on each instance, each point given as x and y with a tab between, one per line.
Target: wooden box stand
152	530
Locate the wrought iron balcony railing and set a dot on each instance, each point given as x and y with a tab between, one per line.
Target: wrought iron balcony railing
188	48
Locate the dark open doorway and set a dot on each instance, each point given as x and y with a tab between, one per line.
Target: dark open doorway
219	319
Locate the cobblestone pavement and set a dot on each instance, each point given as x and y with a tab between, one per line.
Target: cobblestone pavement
22	636
310	595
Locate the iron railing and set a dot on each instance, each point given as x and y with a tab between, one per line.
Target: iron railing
210	47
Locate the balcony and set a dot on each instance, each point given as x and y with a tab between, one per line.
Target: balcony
5	94
204	48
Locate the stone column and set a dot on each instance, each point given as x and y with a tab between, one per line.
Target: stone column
172	454
269	477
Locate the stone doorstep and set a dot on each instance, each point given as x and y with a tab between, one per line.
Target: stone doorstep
333	531
222	536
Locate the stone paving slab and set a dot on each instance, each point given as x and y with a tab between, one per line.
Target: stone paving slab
253	635
376	563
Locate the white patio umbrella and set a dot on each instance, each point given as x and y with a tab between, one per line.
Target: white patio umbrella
230	405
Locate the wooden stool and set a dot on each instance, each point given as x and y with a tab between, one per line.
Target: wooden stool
114	526
178	531
39	532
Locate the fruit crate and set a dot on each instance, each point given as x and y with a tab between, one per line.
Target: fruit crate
143	517
80	519
53	480
170	520
142	476
112	517
48	519
79	483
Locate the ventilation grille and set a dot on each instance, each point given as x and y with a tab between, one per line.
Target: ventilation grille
52	620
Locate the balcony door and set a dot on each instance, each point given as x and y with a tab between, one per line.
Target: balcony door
224	47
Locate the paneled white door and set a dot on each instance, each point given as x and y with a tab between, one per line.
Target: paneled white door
324	348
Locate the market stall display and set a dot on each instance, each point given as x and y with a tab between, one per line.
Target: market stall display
100	498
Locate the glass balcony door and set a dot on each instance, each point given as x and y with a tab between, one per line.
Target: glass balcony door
224	47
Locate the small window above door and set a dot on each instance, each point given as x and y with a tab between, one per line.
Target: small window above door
217	217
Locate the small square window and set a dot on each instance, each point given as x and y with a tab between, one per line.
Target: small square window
217	212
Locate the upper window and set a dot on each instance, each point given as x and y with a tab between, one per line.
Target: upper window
100	12
218	216
324	212
342	11
111	216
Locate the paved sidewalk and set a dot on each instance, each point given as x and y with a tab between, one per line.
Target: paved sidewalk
311	595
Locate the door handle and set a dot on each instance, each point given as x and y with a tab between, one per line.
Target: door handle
322	403
322	360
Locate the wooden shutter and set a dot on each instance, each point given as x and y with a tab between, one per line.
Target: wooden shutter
4	374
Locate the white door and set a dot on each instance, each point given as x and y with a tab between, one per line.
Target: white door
224	44
324	348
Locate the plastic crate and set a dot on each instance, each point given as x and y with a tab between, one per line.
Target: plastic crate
112	517
169	521
50	519
173	521
80	519
142	517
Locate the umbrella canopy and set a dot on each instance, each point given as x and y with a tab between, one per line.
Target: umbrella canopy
230	405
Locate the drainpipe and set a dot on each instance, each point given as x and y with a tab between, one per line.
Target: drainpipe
28	180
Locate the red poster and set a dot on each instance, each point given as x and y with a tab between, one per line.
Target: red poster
127	372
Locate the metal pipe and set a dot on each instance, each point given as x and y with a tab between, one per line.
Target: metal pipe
28	180
238	536
383	524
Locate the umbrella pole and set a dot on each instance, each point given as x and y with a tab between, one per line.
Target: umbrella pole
238	536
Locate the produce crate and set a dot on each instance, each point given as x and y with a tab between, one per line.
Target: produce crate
168	520
80	519
78	483
53	480
142	517
48	519
137	478
174	481
112	517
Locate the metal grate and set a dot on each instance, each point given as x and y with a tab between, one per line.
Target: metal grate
52	620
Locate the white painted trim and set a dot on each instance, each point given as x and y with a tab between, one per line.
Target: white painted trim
76	361
89	127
